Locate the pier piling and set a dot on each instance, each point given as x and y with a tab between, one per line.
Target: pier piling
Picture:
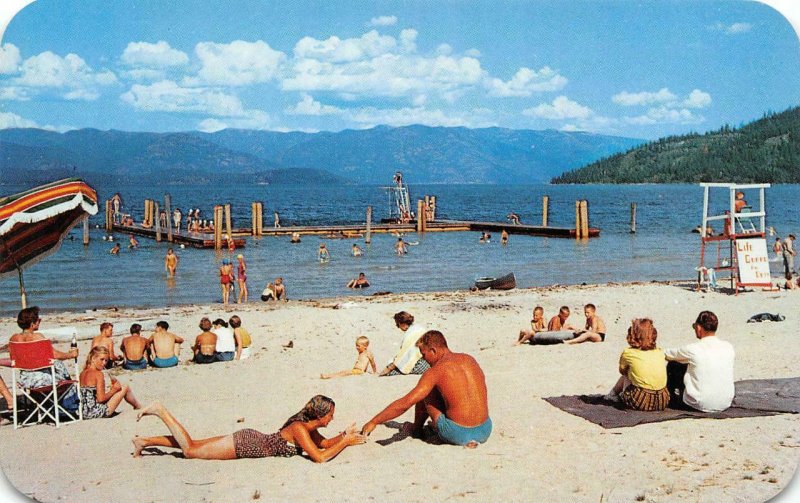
217	227
584	219
228	227
167	210
86	231
633	218
157	221
545	210
368	234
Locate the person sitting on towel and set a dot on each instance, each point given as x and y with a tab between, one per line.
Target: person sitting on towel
700	374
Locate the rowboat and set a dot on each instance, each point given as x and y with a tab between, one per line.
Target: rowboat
506	282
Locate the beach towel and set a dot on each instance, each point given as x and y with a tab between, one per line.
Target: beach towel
754	398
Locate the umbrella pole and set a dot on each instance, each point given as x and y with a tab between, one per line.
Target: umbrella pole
22	294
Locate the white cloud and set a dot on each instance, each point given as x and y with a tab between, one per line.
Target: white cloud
643	98
733	28
444	50
473	53
526	82
336	50
697	99
167	96
309	106
69	77
255	120
236	64
146	74
561	108
12	120
408	40
9	59
370	116
14	93
383	21
158	55
665	115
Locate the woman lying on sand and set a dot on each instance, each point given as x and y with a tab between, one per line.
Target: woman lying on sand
299	433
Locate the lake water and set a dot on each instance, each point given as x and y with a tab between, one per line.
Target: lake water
79	278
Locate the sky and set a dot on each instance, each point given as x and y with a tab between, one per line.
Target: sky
641	69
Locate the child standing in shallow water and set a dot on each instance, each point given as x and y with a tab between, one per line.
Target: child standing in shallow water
364	361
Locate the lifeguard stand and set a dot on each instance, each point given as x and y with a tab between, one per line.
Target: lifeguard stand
399	201
744	224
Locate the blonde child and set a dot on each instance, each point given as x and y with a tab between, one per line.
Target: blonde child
537	325
364	361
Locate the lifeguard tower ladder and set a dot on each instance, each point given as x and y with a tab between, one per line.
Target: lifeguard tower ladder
745	223
399	201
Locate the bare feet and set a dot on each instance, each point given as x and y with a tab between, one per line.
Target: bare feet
138	445
471	444
151	410
323	376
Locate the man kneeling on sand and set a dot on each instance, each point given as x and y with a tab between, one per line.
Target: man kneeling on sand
452	393
163	350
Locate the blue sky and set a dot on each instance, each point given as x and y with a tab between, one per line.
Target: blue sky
638	69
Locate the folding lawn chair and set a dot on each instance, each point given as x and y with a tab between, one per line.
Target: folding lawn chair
44	400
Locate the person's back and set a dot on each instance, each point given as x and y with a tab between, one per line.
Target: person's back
133	347
462	384
164	344
709	382
206	343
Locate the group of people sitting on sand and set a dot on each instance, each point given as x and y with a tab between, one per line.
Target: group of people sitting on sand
558	330
698	376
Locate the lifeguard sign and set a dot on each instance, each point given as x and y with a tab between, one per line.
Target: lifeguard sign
753	262
741	246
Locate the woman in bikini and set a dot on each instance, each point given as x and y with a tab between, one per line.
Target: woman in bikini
226	279
297	435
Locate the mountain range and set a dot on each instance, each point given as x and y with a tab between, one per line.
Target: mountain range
371	156
766	150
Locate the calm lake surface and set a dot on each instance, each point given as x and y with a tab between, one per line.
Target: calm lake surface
80	278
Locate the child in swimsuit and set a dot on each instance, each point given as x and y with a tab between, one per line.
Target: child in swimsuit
364	361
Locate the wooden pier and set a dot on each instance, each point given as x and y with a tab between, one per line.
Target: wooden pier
206	239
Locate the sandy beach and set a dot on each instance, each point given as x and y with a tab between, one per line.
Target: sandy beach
536	452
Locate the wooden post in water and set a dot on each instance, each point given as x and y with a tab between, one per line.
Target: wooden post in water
433	208
109	217
217	227
577	219
228	228
633	218
584	219
260	218
86	231
157	221
368	236
167	210
420	215
253	219
545	210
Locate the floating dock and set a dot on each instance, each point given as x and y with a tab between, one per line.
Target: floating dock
206	239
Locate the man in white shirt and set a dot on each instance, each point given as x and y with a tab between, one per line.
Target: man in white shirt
700	374
408	359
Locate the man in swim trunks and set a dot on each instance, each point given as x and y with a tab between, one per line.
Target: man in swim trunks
163	351
171	263
452	393
595	330
134	349
104	339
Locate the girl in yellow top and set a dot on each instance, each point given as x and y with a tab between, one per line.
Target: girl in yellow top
643	385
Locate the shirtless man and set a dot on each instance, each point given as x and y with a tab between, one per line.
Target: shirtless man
163	352
595	329
452	393
205	344
400	247
134	349
171	263
559	322
104	339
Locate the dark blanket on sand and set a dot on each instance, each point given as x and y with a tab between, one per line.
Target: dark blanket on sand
754	397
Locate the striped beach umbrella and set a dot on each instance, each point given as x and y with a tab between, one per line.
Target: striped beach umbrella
33	223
